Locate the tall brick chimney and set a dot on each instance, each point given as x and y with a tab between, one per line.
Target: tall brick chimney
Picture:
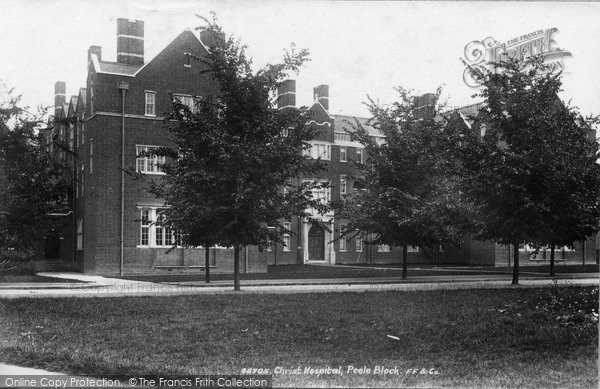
95	50
60	88
321	94
286	94
425	105
130	41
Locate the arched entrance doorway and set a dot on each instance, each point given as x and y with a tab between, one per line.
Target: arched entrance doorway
316	243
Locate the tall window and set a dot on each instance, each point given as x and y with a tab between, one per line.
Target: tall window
343	241
82	178
145	225
91	156
359	243
82	131
150	103
343	156
359	155
154	229
343	185
79	234
287	239
148	162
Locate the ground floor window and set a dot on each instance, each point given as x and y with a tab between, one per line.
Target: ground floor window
359	243
287	239
79	234
154	229
383	248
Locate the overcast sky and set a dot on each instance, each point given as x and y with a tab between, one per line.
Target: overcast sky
357	48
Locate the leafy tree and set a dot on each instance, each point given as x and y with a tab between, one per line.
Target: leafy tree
533	177
227	178
33	183
410	195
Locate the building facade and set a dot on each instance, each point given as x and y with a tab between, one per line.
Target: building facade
113	124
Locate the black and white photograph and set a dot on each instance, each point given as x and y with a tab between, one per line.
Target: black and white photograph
299	194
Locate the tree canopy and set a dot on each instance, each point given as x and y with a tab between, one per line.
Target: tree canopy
233	157
33	183
533	175
410	195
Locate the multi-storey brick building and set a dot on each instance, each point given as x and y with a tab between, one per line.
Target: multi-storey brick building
115	226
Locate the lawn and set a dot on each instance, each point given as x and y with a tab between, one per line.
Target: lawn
32	279
480	338
341	271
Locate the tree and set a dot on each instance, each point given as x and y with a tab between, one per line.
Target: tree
229	168
410	195
533	177
33	183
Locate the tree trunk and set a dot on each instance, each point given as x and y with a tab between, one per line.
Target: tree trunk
236	267
207	263
552	246
515	280
404	261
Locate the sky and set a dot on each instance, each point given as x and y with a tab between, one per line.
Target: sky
358	48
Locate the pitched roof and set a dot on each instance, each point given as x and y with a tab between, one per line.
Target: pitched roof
82	94
343	123
117	68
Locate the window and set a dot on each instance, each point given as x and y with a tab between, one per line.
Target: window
145	227
82	131
343	156
154	229
343	241
359	243
343	185
287	239
91	156
319	150
147	162
80	234
187	100
82	178
323	194
359	155
71	138
412	249
383	248
150	103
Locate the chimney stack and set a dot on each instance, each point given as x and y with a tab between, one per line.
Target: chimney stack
425	105
321	94
60	88
130	41
95	50
286	94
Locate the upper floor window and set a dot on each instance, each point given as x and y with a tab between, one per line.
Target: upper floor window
187	100
91	156
150	103
343	156
359	155
343	185
319	150
148	162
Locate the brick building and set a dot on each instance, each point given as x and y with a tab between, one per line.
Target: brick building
115	225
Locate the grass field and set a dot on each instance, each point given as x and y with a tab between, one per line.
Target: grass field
341	271
543	338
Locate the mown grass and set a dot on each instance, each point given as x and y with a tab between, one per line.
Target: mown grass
341	271
480	338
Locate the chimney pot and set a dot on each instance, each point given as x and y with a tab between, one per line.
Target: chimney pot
60	89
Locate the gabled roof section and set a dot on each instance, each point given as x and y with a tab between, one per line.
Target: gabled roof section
343	123
82	96
167	48
319	114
